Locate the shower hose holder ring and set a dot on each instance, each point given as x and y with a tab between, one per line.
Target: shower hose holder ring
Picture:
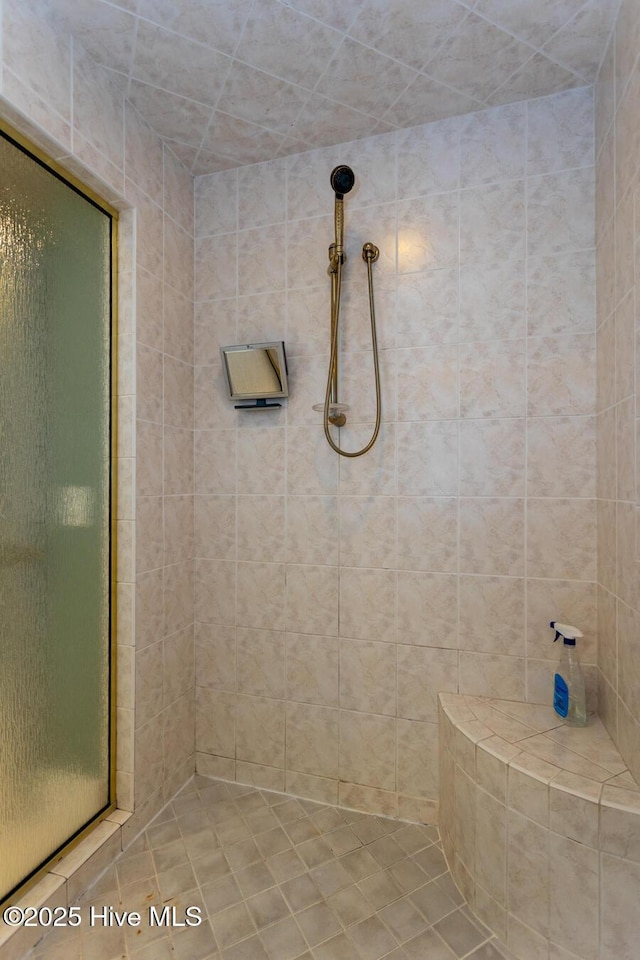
335	258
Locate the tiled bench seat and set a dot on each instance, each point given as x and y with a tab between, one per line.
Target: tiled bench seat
540	823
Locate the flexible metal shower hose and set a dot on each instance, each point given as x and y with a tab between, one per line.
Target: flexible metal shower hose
336	286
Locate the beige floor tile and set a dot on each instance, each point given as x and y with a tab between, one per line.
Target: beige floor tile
318	923
459	933
283	941
372	938
267	908
338	948
279	878
301	892
403	919
380	889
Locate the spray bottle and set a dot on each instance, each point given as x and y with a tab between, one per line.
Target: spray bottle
568	682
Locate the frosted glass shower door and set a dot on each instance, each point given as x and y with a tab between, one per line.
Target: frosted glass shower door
55	545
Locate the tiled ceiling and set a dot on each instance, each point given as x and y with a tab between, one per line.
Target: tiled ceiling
230	82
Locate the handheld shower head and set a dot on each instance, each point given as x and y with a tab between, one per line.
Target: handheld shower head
342	180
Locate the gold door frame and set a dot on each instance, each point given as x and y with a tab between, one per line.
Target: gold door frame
41	157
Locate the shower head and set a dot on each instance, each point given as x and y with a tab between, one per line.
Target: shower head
342	180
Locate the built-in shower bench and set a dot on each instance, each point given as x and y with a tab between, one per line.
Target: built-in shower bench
540	823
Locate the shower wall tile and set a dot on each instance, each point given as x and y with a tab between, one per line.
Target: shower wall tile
149	379
98	106
149	479
427	458
307	251
492	379
368	677
149	603
549	119
417	758
433	295
215	586
560	456
427	609
428	159
560	294
313	740
149	311
617	229
39	56
367	750
427	233
215	527
178	529
216	204
492	615
211	408
306	334
312	467
374	474
560	212
482	673
259	266
262	195
149	682
260	314
569	522
178	393
149	229
492	145
367	585
312	530
215	651
427	534
367	532
259	529
260	599
423	673
178	596
367	604
311	597
492	458
149	539
376	156
178	259
178	461
312	669
492	300
260	726
215	460
561	375
260	660
261	461
492	536
426	380
178	666
492	223
206	344
216	259
363	394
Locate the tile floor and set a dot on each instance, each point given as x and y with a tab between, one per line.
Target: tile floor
278	878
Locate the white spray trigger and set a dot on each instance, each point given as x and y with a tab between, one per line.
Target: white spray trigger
565	631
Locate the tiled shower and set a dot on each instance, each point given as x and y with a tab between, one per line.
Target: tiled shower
287	619
334	600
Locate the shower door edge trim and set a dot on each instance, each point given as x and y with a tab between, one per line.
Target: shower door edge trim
76	184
